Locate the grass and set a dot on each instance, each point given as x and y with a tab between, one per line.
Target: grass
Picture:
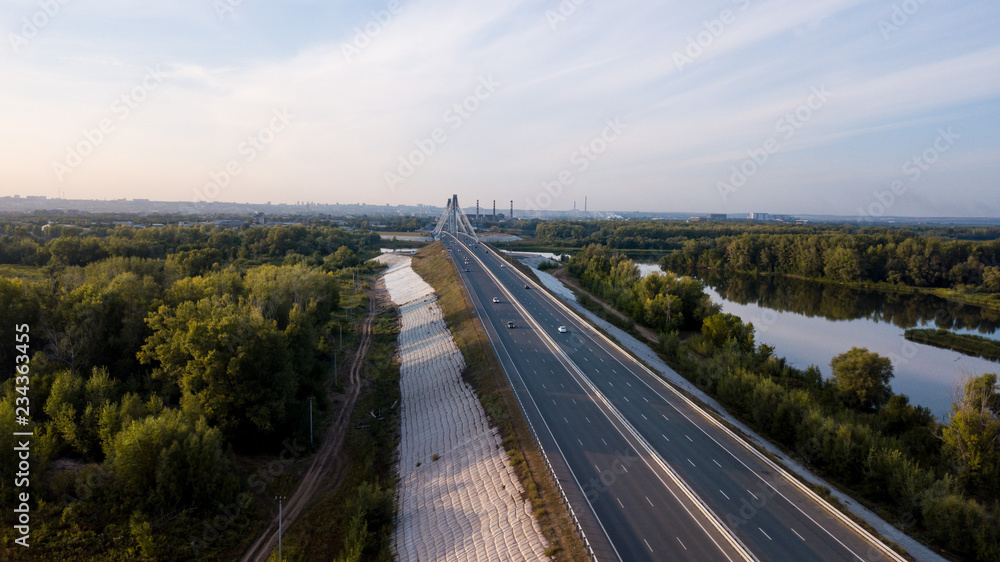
484	373
976	346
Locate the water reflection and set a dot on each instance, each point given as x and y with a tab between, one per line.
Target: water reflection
838	302
809	323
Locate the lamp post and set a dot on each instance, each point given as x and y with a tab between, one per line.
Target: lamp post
279	498
310	421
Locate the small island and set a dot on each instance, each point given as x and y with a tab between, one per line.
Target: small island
976	346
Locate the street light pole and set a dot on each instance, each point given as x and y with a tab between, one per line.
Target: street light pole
310	421
279	498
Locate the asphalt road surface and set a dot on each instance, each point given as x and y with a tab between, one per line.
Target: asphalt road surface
648	474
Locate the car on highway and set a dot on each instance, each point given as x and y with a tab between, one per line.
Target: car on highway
502	265
467	270
525	286
510	324
562	329
496	299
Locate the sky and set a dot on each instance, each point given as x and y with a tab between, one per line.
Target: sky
865	108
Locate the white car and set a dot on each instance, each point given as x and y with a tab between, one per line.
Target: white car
496	299
562	329
502	265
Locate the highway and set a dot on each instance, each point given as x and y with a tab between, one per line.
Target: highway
692	489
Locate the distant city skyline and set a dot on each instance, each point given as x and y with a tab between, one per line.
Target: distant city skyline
841	107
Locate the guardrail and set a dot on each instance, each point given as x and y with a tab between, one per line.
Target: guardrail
808	492
548	464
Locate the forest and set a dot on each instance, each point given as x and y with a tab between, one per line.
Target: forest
163	361
937	480
964	259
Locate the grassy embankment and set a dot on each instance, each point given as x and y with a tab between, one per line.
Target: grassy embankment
976	346
484	373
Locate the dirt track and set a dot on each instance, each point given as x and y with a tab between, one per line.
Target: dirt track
327	459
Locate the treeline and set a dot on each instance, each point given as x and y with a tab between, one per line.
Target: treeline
887	258
939	480
197	247
661	302
671	235
159	357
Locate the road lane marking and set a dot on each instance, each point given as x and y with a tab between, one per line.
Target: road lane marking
650	502
626	398
678	540
665	437
588	419
765	534
554	402
611	383
717	463
797	534
629	384
565	420
649	547
665	417
605	442
689	437
692	464
646	399
574	400
724	494
644	417
580	442
620	503
754	495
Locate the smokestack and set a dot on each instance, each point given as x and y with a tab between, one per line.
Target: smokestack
584	204
494	209
511	209
477	211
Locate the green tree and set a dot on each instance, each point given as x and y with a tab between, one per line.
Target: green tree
862	377
228	361
972	438
169	460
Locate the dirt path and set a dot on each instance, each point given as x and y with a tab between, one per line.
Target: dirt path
326	460
562	276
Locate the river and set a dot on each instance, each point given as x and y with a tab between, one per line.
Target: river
809	323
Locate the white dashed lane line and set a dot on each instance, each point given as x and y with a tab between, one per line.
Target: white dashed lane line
692	464
765	534
665	437
797	534
620	503
651	548
724	494
678	540
650	502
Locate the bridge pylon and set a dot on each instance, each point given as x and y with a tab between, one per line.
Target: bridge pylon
454	221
